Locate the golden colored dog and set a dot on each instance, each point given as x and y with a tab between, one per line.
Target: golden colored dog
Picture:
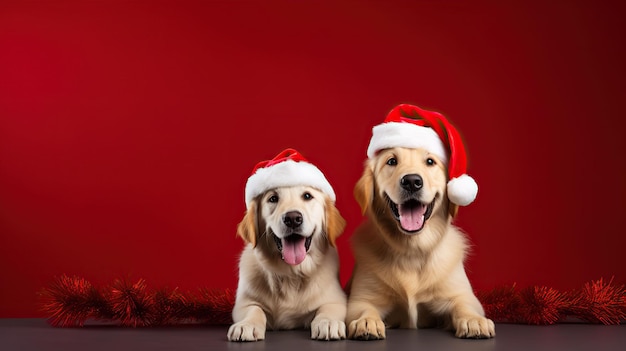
289	269
409	269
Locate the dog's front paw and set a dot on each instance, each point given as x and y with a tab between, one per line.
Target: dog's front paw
475	327
243	331
328	329
366	329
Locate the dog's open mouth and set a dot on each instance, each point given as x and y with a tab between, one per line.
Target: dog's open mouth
293	248
411	214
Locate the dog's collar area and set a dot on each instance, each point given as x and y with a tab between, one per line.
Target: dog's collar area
411	214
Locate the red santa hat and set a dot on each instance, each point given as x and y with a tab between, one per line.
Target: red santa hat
412	127
288	168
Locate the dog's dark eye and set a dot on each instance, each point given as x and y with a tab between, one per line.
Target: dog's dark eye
430	161
307	196
273	198
392	161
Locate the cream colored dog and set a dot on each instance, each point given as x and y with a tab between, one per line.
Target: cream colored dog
409	256
289	269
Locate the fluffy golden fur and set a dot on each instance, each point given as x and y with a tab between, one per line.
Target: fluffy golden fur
409	273
275	294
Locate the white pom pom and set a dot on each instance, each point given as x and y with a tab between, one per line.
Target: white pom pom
462	190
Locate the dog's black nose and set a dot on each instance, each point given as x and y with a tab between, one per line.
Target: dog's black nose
292	219
411	182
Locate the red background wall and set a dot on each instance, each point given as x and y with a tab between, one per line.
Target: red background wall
128	129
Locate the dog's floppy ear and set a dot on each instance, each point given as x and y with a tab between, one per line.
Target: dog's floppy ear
364	189
453	209
248	228
335	224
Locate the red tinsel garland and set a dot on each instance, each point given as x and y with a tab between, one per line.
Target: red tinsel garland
72	301
596	302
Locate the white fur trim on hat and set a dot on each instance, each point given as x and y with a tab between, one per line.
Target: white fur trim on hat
462	190
286	173
400	134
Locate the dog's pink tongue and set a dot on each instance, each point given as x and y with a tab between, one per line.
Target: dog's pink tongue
294	251
412	217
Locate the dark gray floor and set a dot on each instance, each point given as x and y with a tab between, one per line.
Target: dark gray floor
35	334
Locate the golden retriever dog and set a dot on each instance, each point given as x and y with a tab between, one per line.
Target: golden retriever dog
409	257
289	268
